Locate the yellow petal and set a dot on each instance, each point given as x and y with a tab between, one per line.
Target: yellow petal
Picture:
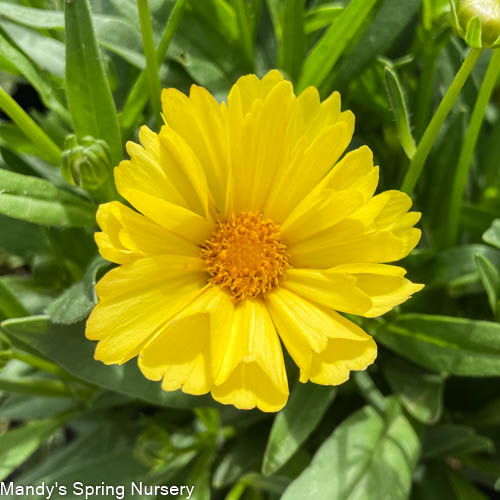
248	387
337	291
385	285
137	299
180	355
325	210
246	350
200	122
333	365
249	89
379	232
108	241
134	236
164	167
174	218
307	166
262	149
306	328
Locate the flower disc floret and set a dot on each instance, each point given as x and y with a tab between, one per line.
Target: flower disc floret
245	256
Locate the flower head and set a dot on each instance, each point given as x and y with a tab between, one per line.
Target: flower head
248	229
478	21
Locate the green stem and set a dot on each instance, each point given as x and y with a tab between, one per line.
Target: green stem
36	387
245	31
151	59
136	100
432	131
48	149
469	145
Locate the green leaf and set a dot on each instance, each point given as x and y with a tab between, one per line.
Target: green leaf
244	456
321	17
445	344
34	76
325	54
19	444
67	346
295	423
400	111
420	391
47	53
464	489
34	18
369	456
18	407
390	20
491	281
72	306
38	201
473	32
492	235
22	238
450	439
89	95
10	307
293	42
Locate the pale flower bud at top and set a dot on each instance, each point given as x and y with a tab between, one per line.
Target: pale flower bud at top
479	22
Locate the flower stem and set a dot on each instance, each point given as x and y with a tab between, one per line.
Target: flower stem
432	131
151	60
49	151
468	147
135	101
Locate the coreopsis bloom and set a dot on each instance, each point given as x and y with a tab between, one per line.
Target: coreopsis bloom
248	229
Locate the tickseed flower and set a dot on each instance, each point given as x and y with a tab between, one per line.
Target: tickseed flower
244	235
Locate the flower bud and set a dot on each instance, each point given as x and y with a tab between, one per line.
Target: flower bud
88	164
479	22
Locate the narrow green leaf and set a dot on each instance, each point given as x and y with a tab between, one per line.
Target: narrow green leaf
47	149
323	57
369	455
34	18
293	42
10	307
492	235
400	111
465	489
36	200
67	346
491	281
19	444
295	423
450	439
321	17
391	19
276	10
26	68
89	95
46	52
245	30
420	391
445	344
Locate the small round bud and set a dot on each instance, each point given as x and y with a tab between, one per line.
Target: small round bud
479	22
88	164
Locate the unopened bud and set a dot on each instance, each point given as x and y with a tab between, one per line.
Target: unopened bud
88	164
479	22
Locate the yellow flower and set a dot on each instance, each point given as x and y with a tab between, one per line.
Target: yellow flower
244	234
